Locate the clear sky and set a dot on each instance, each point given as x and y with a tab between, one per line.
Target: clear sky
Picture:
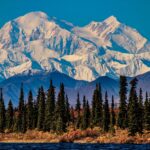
135	13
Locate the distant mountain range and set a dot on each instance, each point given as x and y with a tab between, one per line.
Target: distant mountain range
35	43
11	86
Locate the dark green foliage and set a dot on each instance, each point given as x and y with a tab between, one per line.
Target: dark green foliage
140	112
38	97
30	111
133	108
50	107
41	110
20	120
35	114
122	116
9	116
84	125
24	121
113	117
97	107
72	117
35	109
67	110
78	110
2	113
60	111
147	113
78	104
86	114
48	116
106	115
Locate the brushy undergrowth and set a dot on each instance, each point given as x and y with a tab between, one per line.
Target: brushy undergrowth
78	136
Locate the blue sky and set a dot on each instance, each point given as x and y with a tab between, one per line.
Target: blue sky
135	13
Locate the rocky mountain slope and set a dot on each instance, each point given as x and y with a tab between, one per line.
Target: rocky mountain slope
36	43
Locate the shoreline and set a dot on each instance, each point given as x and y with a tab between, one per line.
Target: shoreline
89	136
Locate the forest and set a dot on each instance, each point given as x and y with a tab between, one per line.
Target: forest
50	113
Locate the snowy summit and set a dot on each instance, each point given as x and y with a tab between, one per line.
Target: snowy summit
38	43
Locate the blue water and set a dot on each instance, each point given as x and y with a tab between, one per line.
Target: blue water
72	146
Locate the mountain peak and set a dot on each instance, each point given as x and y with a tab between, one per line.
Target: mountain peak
111	19
36	14
35	42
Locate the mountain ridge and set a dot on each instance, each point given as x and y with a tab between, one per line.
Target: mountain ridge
11	86
36	42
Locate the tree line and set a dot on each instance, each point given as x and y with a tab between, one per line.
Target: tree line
51	113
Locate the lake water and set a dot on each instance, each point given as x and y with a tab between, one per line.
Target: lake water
72	146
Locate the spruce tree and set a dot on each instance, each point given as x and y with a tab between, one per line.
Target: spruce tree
86	114
36	108
140	112
72	117
38	96
122	115
60	111
21	114
15	122
97	106
147	113
9	116
30	111
41	110
2	113
35	114
78	110
84	119
67	110
133	108
24	121
50	107
106	117
113	117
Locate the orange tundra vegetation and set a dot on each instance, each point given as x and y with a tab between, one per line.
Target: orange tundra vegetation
95	135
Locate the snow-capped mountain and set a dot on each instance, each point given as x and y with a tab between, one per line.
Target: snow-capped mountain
37	43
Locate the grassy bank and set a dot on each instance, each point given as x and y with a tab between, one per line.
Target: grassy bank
77	136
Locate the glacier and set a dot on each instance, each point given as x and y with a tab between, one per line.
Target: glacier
36	43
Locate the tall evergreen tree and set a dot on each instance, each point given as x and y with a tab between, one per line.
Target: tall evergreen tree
24	121
88	114
67	110
50	107
60	109
122	115
2	113
84	119
41	110
9	116
140	112
21	114
133	108
106	117
78	110
97	106
147	113
38	97
36	109
113	117
30	111
72	115
35	114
